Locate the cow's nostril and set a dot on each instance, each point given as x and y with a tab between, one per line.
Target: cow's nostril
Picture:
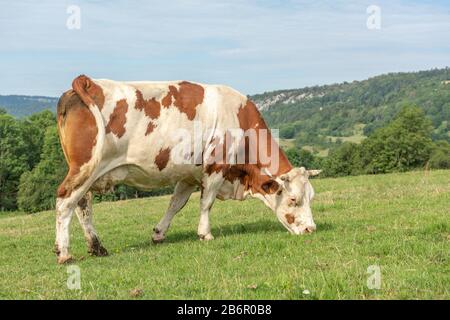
310	229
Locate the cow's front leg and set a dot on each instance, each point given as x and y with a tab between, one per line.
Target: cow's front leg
84	214
179	198
64	211
204	227
210	187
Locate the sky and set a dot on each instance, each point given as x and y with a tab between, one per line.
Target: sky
253	46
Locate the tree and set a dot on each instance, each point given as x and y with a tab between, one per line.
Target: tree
21	144
13	160
35	128
402	145
440	157
343	161
302	158
37	188
287	132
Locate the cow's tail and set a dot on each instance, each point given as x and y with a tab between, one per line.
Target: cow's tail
92	95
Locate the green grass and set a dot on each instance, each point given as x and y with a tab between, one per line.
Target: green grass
318	151
400	222
357	137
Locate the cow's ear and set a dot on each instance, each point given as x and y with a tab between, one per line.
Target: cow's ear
312	173
290	176
270	186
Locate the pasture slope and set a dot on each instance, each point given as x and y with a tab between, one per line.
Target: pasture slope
399	222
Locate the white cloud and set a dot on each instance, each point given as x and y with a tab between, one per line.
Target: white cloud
252	45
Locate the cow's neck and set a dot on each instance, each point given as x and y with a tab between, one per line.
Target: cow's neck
250	119
252	175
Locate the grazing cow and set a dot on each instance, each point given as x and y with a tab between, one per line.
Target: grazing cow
140	134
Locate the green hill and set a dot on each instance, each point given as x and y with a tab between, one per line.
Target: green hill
353	110
397	222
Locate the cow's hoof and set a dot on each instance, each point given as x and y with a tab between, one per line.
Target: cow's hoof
65	259
99	251
158	237
56	250
207	237
96	249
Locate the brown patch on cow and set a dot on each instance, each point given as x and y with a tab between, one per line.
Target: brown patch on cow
118	118
78	133
89	92
151	107
289	218
162	158
150	128
270	186
167	100
186	98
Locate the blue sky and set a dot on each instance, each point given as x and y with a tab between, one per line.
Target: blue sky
254	45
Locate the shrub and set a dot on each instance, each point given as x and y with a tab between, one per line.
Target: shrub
343	161
440	157
302	158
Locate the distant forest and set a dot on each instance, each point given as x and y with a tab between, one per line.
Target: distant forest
321	114
22	106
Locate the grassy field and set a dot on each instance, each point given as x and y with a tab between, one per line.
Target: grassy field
398	222
357	137
286	143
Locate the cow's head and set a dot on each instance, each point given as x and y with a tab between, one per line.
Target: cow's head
290	196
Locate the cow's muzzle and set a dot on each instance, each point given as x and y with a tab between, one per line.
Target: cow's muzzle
304	229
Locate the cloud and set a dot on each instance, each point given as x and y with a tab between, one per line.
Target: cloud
252	45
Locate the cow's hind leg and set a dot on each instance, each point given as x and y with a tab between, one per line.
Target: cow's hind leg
84	214
69	193
179	198
64	211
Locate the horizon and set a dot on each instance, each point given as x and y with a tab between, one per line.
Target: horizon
283	46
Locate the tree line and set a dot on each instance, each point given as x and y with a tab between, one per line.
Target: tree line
403	144
32	163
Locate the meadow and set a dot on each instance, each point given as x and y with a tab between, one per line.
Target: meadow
399	223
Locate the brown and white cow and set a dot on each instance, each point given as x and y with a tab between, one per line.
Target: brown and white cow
139	133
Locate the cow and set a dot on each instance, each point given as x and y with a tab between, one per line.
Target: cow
135	133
